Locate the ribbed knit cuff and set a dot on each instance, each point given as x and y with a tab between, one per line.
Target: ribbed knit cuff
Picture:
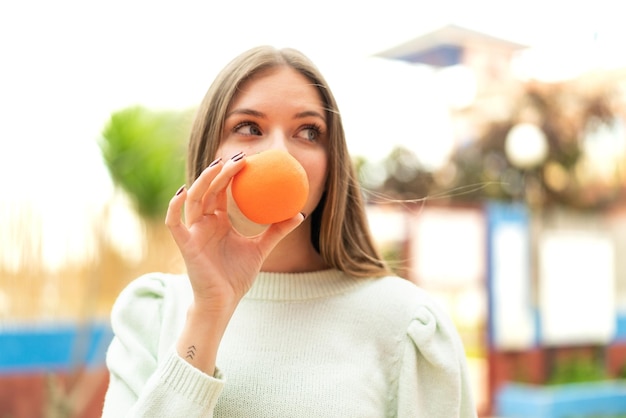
190	382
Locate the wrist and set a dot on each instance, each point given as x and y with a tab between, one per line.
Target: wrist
202	334
212	308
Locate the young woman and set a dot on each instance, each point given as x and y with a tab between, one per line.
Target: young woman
300	318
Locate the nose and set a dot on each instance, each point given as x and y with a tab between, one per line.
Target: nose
278	140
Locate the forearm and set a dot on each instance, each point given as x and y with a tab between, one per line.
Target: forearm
148	378
201	336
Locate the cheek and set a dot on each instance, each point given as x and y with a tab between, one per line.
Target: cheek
317	173
226	151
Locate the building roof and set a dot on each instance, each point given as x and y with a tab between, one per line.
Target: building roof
444	46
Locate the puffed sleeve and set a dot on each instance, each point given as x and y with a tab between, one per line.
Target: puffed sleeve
147	380
433	381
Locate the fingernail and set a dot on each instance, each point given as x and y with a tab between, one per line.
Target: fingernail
215	162
303	215
237	156
180	190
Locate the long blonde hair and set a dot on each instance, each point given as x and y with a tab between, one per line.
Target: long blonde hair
340	231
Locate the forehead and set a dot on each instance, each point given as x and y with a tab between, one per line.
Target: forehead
281	84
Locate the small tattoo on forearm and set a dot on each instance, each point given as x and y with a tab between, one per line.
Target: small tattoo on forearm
191	352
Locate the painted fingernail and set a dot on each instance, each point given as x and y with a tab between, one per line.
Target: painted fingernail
180	190
215	162
238	156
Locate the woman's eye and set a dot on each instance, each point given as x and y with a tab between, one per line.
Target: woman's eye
310	133
247	128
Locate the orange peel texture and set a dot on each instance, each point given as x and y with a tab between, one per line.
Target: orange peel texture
272	187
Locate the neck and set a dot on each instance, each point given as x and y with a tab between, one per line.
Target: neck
295	253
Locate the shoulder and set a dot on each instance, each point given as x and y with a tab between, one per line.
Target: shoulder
149	299
426	323
399	292
151	289
151	309
404	302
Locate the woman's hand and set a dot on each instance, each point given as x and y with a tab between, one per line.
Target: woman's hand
221	262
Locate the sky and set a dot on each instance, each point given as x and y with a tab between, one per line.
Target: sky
67	65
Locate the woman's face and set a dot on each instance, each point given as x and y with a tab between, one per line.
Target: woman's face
280	108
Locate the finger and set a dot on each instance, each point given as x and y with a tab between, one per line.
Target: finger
194	205
214	198
173	221
275	232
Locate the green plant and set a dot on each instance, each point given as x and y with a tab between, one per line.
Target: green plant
577	369
144	151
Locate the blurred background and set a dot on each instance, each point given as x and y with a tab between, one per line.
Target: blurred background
488	135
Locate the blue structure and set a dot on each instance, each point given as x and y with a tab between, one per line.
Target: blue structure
53	347
447	46
601	399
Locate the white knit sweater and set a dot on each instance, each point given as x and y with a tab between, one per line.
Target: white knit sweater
299	345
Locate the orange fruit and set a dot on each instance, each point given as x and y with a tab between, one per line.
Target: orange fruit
272	187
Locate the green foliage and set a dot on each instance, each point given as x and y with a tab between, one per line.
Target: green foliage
578	369
479	168
565	113
144	151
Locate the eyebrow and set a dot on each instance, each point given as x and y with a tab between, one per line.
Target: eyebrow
246	112
308	113
256	113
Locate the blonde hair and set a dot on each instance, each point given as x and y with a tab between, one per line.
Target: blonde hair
340	231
